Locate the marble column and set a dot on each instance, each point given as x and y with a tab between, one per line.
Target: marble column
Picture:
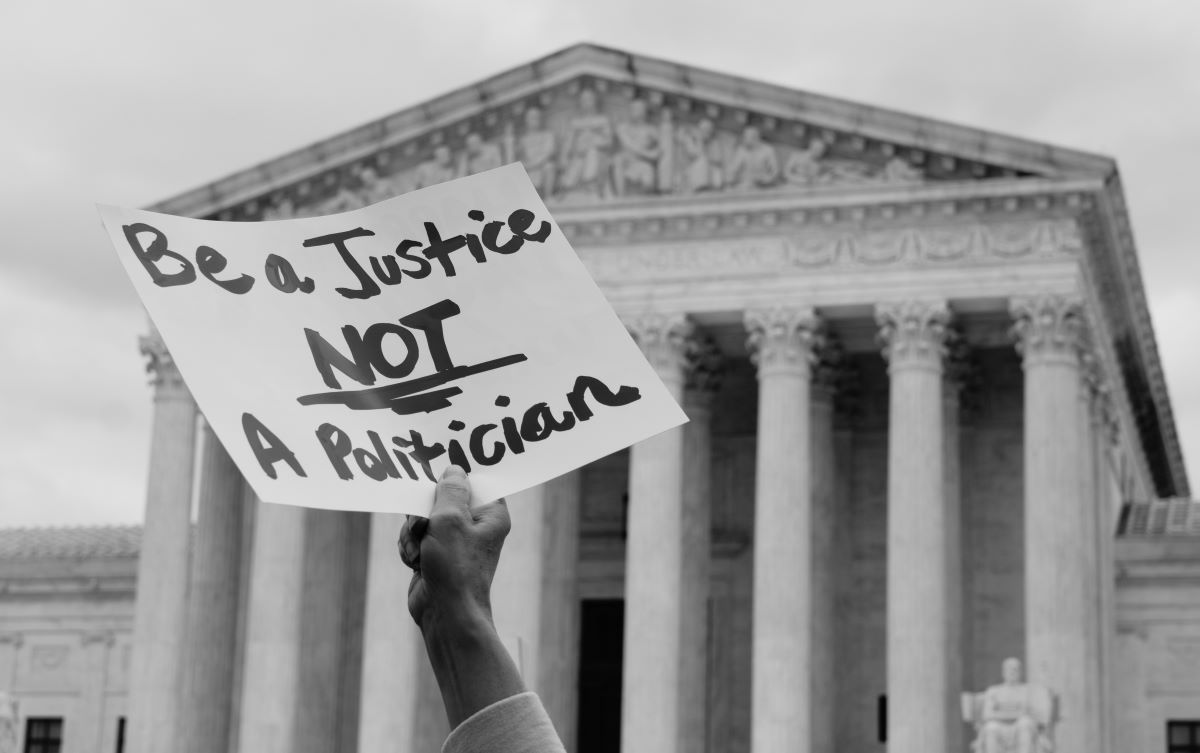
1104	436
267	721
354	601
781	345
703	379
160	610
558	655
206	713
654	576
1058	607
85	728
10	646
249	531
400	707
957	368
919	698
826	372
1091	568
322	620
540	626
516	604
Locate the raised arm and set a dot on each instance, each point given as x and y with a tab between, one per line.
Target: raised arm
453	554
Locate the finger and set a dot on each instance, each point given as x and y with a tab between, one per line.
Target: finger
494	516
409	542
453	493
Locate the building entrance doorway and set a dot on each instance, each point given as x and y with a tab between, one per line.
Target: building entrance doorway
600	655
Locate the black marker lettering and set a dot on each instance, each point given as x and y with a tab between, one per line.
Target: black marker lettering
325	356
520	220
282	276
477	450
368	285
457	456
441	249
429	320
337	446
491	236
402	457
577	397
373	340
268	449
423	266
377	466
211	262
423	453
512	435
387	269
150	257
539	423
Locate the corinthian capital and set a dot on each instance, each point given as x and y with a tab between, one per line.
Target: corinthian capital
913	333
1097	397
159	363
782	338
664	339
1048	326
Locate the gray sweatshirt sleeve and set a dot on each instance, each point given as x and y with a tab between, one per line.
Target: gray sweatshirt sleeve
517	724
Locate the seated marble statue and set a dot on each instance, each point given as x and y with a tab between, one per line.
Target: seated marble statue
10	721
1012	717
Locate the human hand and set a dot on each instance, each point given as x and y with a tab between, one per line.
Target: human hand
453	554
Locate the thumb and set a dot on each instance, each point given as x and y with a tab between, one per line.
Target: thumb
453	493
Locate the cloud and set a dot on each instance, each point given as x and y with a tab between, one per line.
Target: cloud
75	435
132	102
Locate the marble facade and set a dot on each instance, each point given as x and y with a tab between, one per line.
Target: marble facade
921	375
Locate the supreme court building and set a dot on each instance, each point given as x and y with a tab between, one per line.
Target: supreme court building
929	431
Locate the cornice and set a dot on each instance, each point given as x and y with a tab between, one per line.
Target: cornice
1117	275
768	212
65	587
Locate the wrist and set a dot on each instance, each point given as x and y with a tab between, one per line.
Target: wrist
457	622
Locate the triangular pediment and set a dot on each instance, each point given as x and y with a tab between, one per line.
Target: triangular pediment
594	126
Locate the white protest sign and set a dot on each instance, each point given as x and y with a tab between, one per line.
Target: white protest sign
345	360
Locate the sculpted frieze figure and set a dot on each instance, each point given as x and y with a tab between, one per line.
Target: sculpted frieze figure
700	157
364	186
589	153
372	187
438	169
343	200
280	209
1012	717
635	167
480	156
898	171
845	171
587	150
754	163
803	167
536	148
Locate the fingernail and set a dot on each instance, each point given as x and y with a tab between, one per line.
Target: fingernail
453	471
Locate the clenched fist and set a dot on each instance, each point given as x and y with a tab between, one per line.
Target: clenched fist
453	554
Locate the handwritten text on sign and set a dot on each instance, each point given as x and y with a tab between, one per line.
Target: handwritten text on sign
345	360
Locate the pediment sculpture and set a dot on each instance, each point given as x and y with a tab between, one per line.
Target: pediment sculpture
1013	716
583	145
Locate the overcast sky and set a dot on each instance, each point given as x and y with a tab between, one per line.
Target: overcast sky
128	103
